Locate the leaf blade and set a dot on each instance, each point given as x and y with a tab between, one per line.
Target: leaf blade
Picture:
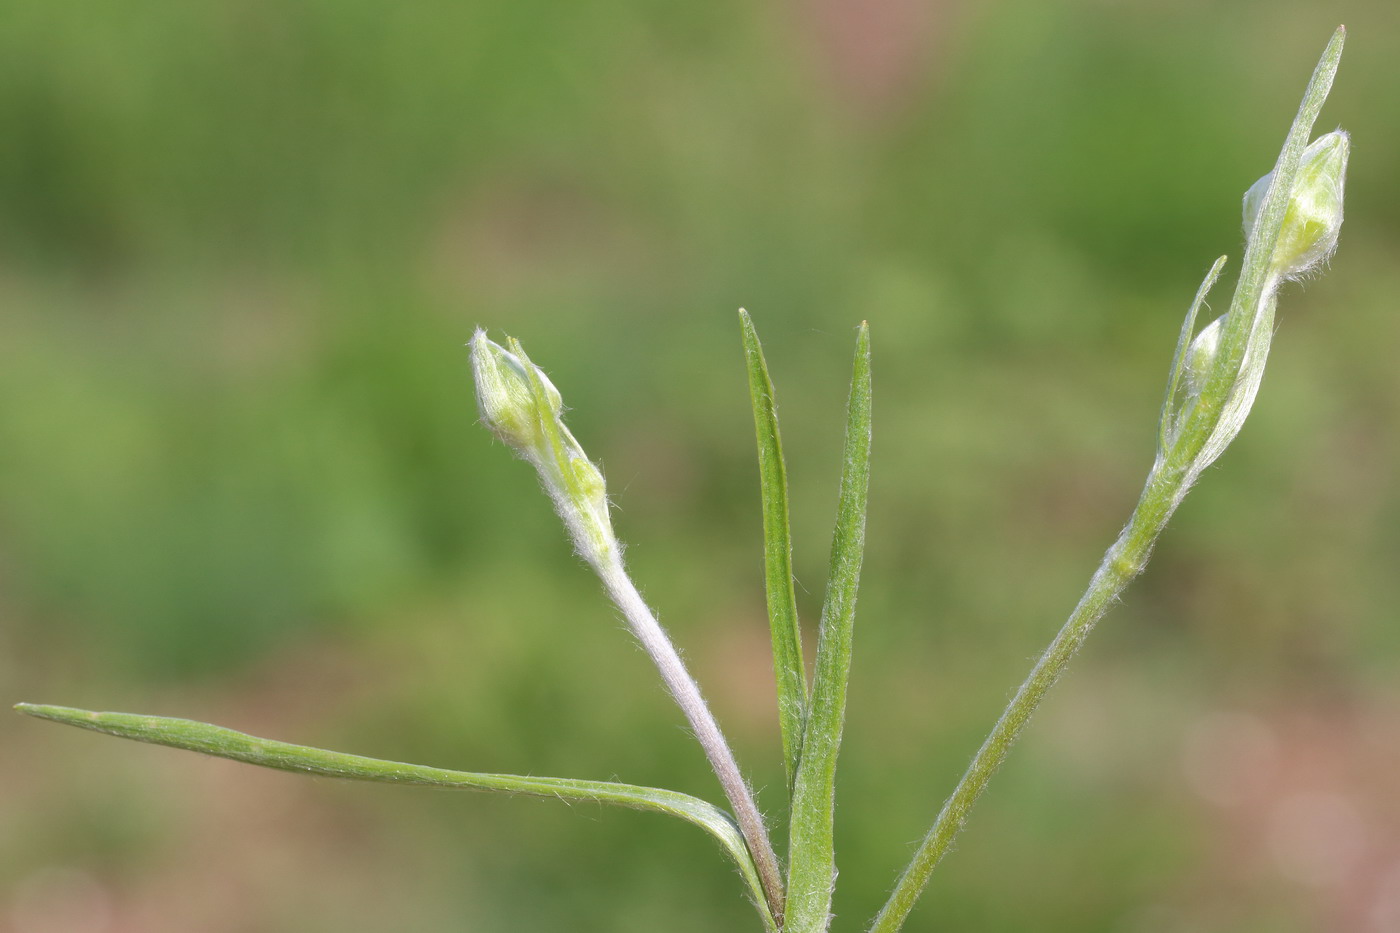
789	666
221	742
811	854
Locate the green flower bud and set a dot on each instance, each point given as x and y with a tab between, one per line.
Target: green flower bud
1314	214
504	397
1200	357
523	408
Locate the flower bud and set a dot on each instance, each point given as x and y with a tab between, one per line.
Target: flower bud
523	408
1313	217
1200	357
504	396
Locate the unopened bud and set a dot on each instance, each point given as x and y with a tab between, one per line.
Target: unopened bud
1200	357
523	408
504	395
1313	217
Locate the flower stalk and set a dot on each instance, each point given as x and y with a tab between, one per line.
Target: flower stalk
1292	217
520	404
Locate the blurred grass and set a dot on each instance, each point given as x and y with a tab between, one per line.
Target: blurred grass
242	244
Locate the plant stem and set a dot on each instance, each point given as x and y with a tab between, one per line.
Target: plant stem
686	693
577	489
1188	442
1123	561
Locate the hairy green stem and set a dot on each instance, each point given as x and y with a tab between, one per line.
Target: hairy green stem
1190	438
1120	564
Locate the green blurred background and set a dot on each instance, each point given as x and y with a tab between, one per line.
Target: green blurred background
243	242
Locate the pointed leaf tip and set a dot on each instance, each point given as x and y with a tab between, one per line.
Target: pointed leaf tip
789	668
220	742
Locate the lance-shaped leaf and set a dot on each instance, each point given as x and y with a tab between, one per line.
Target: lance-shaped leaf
267	753
811	847
788	666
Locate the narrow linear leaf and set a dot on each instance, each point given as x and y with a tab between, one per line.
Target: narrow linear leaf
267	753
811	853
789	668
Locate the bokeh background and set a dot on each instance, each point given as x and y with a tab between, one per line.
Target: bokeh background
243	242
